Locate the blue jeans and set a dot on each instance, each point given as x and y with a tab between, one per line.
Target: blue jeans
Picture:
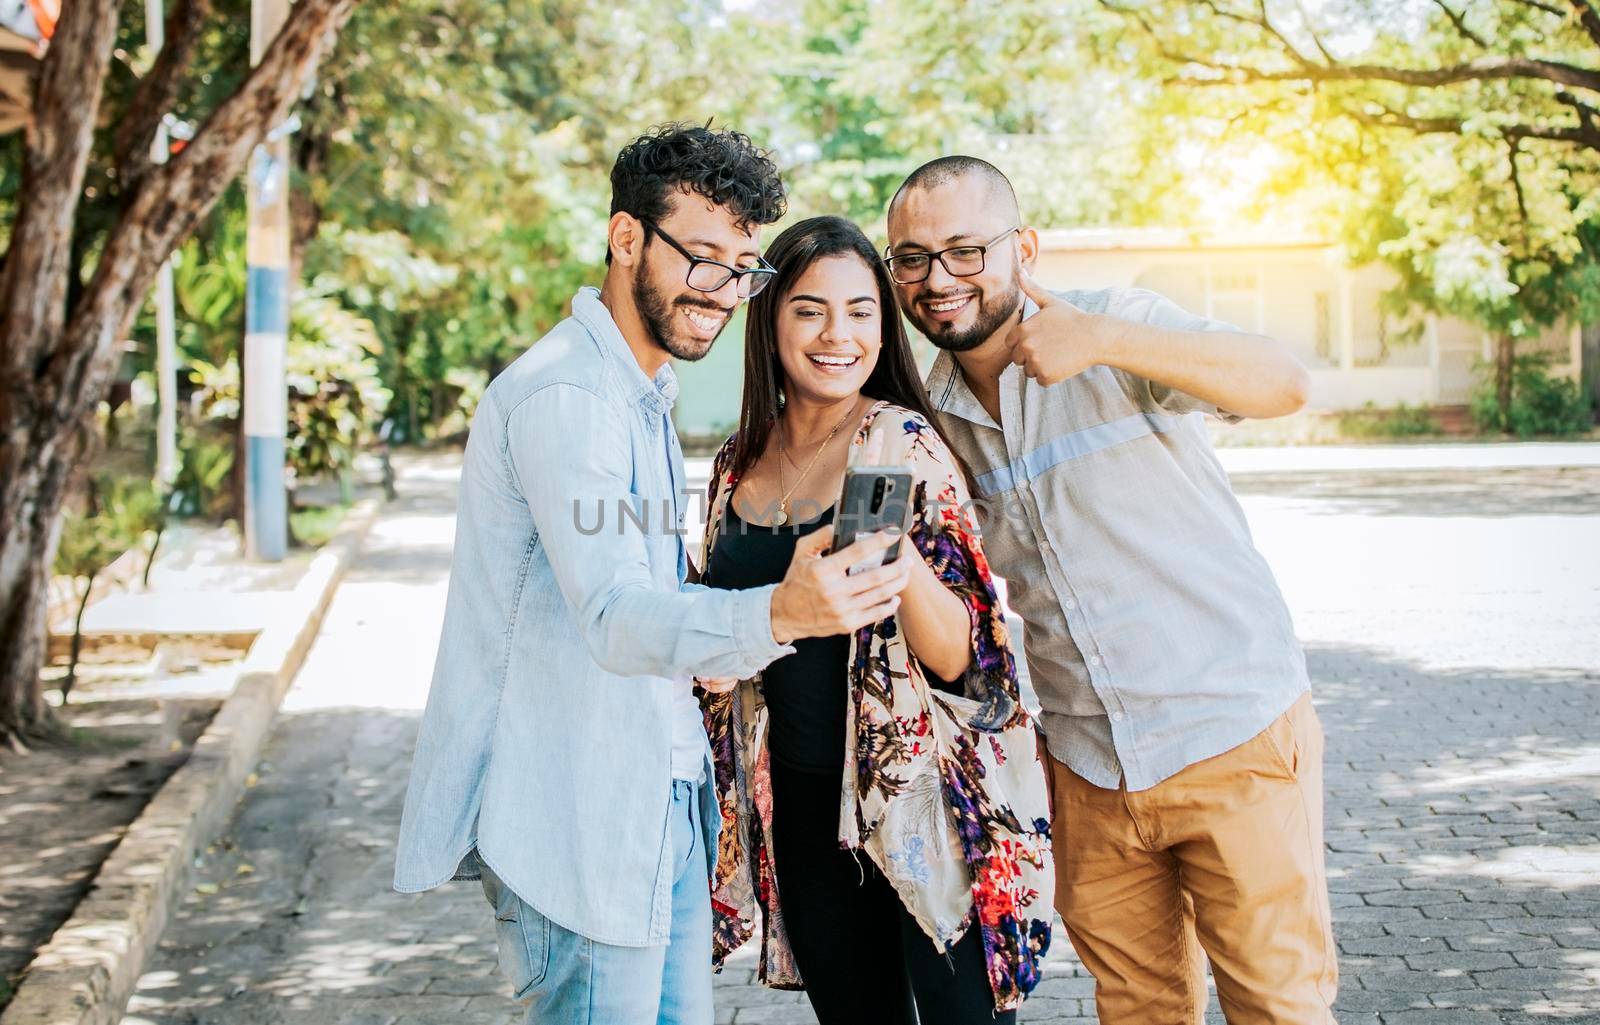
568	979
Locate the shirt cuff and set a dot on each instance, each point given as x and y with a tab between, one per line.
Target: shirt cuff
752	628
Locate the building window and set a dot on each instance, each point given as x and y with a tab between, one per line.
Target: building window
1373	351
1324	330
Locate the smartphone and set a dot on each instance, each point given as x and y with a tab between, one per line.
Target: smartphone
874	498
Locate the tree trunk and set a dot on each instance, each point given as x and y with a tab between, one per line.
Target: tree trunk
55	365
32	500
1505	354
40	429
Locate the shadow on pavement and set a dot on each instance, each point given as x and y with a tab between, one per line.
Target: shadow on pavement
1463	811
1482	493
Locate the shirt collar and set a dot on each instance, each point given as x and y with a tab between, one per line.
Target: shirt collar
658	393
947	388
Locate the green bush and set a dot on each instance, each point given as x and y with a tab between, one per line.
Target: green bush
1403	421
205	475
335	395
1541	403
119	514
314	526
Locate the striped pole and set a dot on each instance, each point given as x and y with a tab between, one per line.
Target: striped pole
266	330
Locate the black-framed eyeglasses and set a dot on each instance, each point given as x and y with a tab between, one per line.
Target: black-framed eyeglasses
708	275
958	261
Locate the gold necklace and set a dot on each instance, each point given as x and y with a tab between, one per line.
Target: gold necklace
783	502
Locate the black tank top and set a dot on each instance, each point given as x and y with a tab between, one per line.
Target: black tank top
805	692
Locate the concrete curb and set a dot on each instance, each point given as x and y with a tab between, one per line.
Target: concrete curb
89	969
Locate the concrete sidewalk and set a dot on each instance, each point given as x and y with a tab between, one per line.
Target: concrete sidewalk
1463	787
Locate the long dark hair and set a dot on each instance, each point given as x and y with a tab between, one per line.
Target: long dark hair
894	378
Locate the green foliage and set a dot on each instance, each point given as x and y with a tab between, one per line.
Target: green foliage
498	126
1403	421
335	395
451	178
205	476
451	172
209	281
468	385
1479	193
120	513
315	526
1541	403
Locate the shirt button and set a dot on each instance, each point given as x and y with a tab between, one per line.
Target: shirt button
1094	660
1069	604
1118	716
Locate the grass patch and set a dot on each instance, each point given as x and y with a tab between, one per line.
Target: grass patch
99	740
1369	423
314	526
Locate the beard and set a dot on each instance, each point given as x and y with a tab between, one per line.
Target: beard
656	310
992	314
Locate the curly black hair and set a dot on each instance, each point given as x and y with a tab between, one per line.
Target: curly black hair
722	165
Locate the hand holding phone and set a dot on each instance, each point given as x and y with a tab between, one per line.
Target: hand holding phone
819	597
873	498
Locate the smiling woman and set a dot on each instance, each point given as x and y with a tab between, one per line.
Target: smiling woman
828	332
919	710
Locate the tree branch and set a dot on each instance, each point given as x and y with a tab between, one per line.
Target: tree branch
1261	22
1513	147
1306	70
1311	29
1138	18
1390	118
159	89
33	280
1586	134
1460	23
1587	114
1588	17
1484	69
173	197
1547	8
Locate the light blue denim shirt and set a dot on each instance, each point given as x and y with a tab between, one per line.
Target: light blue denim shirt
547	739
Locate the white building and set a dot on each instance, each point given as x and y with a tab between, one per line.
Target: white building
1296	289
1293	288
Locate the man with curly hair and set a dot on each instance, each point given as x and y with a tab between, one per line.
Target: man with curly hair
562	757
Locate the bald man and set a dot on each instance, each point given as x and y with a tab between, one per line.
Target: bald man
1184	752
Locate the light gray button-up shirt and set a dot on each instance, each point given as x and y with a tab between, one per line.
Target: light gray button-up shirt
1155	634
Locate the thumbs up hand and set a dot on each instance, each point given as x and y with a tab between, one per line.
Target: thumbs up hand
1058	342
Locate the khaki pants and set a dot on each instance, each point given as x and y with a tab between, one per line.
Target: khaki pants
1225	857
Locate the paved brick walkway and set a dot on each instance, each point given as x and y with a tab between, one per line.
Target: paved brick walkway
1454	673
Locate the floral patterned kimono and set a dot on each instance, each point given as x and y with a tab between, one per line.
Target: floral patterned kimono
944	792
